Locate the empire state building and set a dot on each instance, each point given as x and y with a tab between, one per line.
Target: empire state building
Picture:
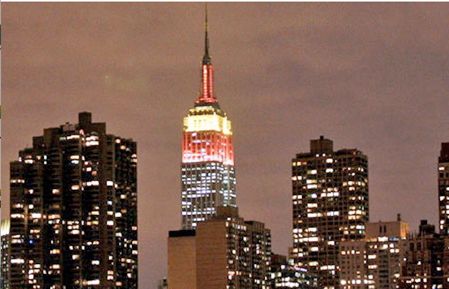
207	171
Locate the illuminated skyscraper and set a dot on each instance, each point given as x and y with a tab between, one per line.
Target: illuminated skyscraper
74	210
330	204
443	188
207	170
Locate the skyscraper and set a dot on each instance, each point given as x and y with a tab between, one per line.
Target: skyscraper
443	188
330	204
74	210
215	248
207	170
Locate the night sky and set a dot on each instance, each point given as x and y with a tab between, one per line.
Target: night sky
370	76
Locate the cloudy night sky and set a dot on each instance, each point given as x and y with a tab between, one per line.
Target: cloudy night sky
369	76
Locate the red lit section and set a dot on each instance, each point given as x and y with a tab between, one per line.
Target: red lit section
207	146
207	83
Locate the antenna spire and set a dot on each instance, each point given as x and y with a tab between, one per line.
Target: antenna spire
207	70
206	57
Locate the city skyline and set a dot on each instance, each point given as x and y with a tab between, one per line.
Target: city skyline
263	146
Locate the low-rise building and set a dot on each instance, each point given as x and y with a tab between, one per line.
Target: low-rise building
224	251
425	260
284	275
373	262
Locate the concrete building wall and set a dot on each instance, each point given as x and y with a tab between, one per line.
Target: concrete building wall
182	262
212	255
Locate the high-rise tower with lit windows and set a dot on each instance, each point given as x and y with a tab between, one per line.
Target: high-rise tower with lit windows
207	170
74	210
443	188
330	205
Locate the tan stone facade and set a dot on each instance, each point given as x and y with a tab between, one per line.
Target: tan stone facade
212	255
224	252
182	261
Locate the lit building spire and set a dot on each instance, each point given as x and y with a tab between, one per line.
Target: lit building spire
207	95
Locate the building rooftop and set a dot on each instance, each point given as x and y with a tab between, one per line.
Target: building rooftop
181	233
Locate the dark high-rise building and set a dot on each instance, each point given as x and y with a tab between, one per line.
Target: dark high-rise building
425	260
443	188
74	210
207	170
330	204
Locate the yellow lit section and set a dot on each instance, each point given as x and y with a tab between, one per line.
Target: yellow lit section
201	120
